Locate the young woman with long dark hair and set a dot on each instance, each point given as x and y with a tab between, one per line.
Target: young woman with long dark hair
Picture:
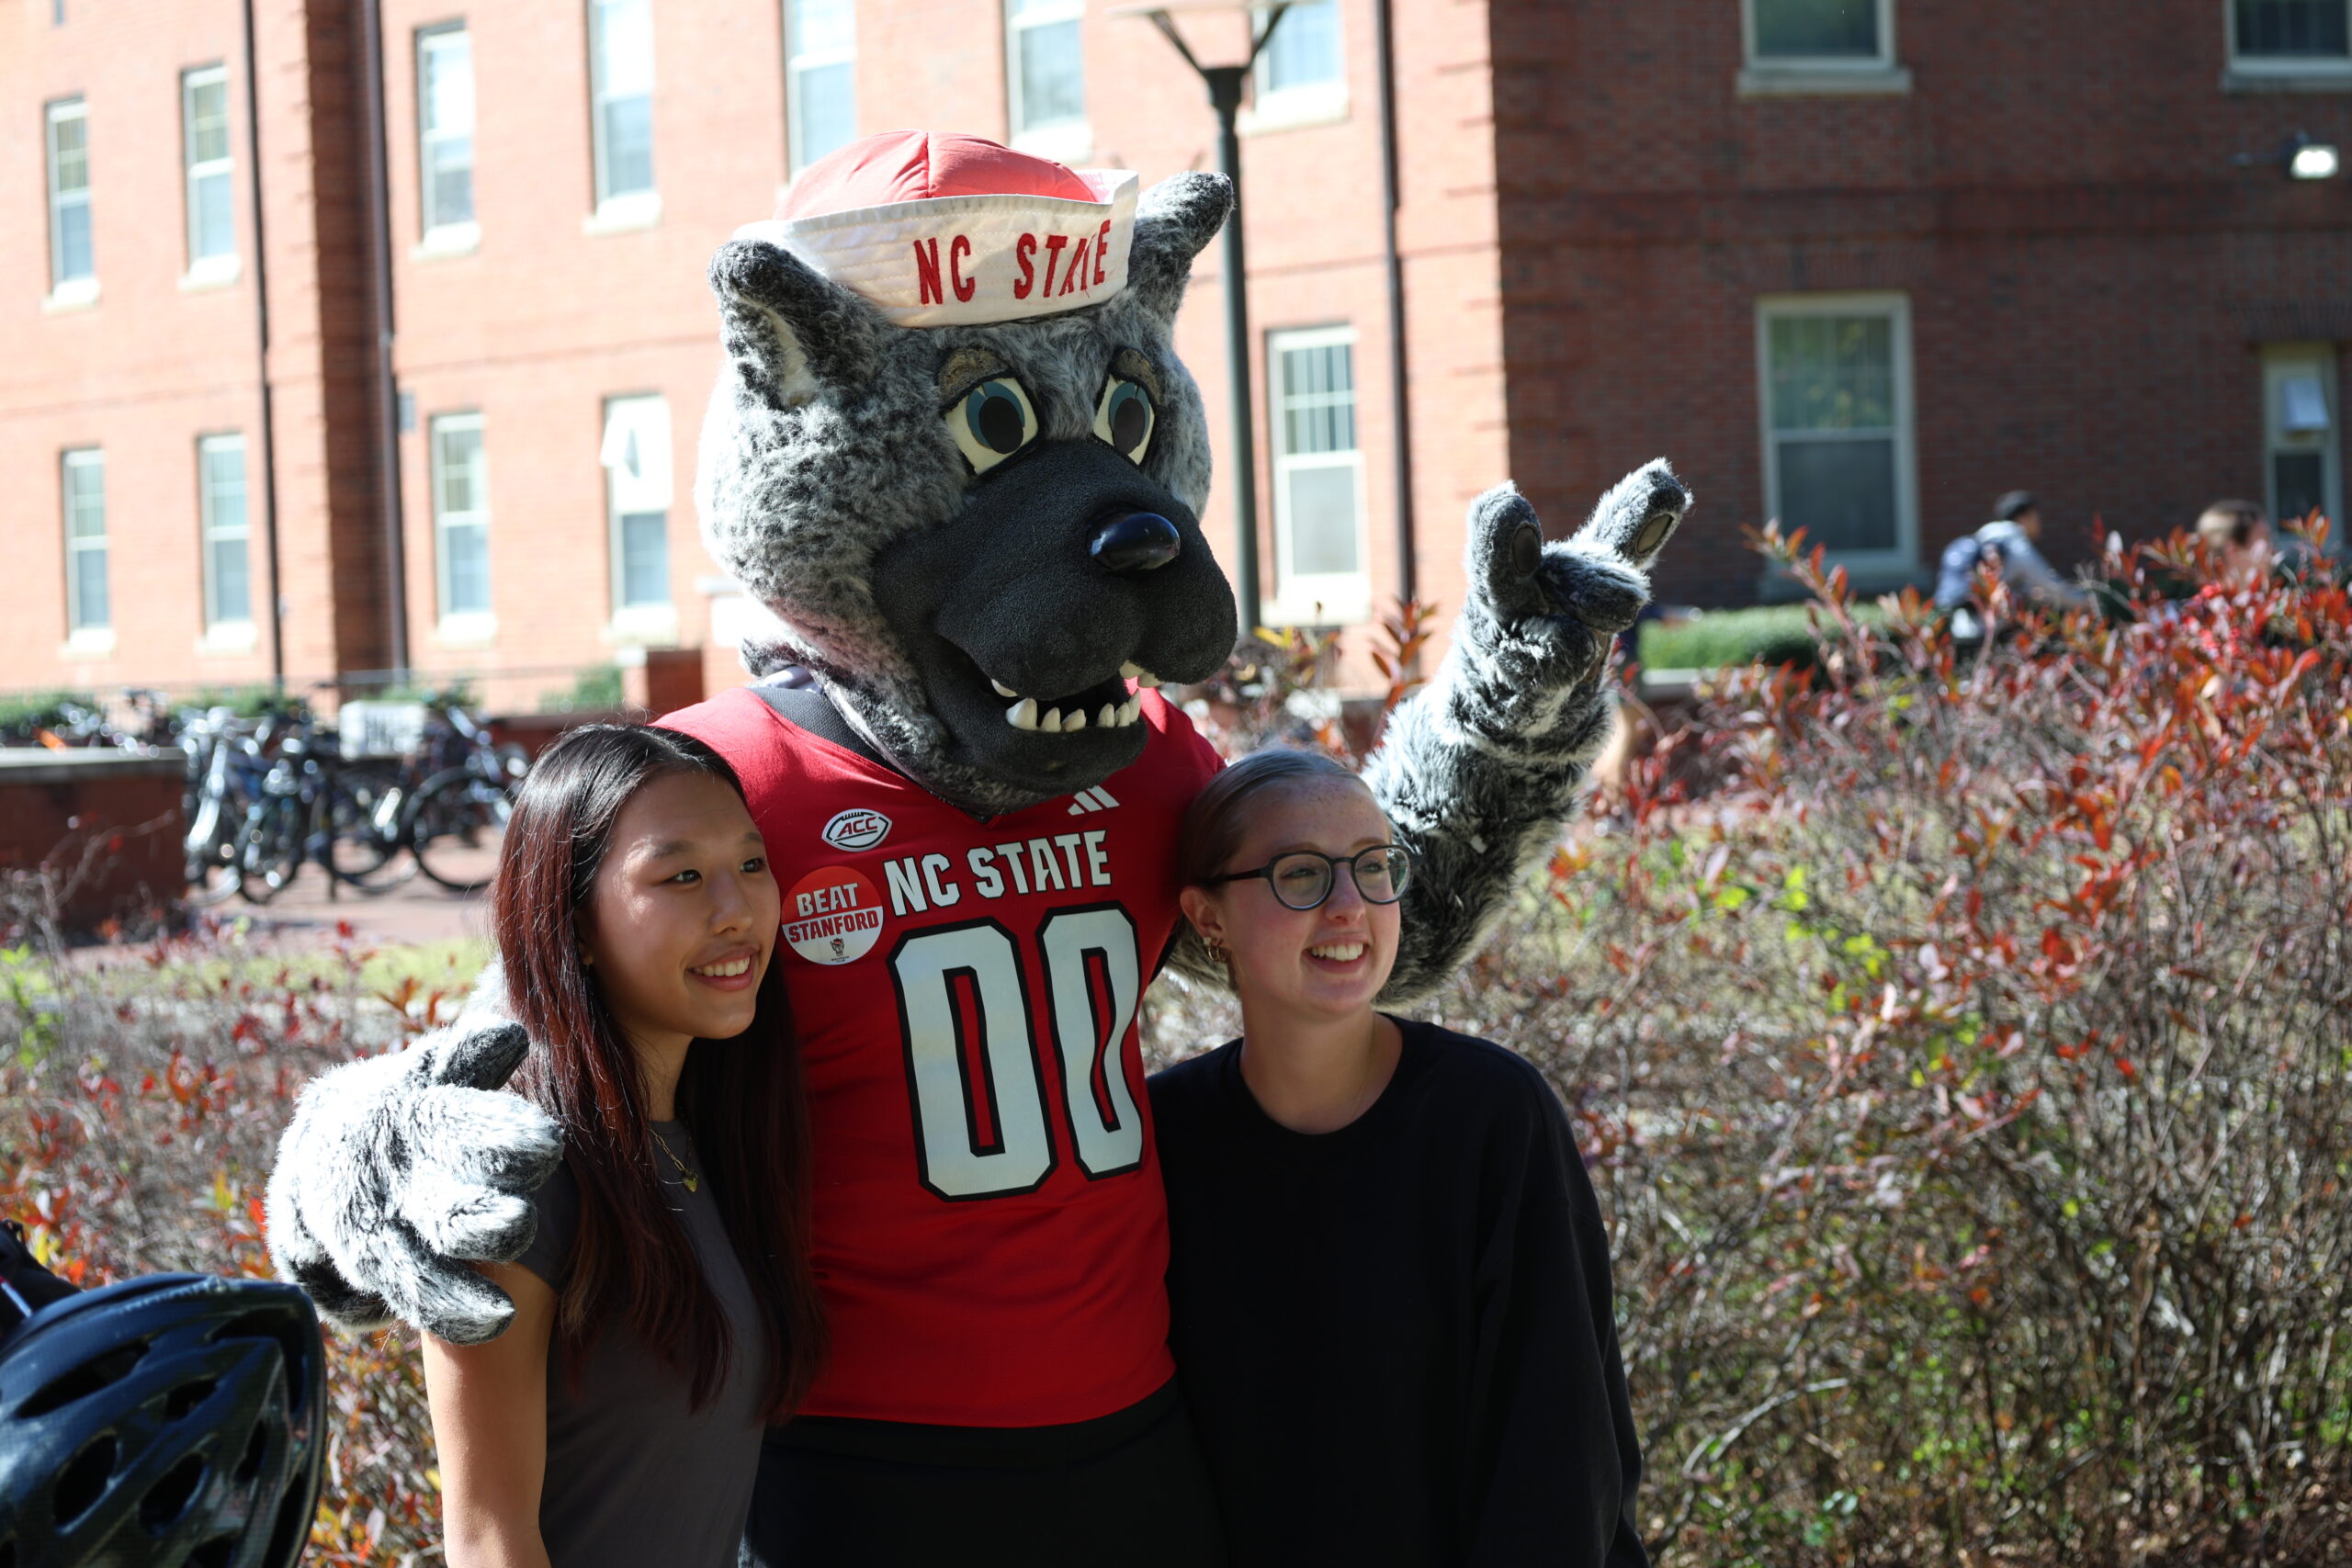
1388	1280
665	1314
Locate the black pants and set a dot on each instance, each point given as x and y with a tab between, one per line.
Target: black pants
1129	1490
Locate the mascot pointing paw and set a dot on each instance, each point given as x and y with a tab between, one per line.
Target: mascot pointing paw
953	452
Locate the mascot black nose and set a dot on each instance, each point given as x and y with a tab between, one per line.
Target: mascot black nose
1136	542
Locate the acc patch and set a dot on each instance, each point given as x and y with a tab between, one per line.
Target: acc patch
834	915
857	829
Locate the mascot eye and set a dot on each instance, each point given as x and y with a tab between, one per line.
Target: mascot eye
1125	419
992	422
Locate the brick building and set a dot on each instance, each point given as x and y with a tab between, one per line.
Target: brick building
1856	263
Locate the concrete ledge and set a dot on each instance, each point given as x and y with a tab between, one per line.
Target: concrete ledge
1823	81
95	835
29	765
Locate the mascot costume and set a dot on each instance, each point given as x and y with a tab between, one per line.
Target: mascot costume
953	452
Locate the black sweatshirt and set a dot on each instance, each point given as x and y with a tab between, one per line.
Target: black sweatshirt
1397	1337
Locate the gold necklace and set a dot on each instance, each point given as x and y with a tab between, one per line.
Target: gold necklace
693	1182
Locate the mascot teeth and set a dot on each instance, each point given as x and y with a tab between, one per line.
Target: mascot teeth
1026	715
1131	671
1002	689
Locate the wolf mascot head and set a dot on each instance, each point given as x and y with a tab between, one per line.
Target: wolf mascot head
954	453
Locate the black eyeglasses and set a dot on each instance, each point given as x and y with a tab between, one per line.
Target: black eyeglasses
1304	878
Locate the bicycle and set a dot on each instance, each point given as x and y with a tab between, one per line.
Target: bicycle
456	823
316	804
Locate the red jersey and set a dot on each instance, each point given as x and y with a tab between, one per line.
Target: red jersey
990	1236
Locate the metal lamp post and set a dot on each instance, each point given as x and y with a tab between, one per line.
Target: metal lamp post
1225	83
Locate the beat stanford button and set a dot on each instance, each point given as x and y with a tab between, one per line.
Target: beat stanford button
834	915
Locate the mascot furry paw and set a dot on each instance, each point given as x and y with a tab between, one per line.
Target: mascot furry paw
953	452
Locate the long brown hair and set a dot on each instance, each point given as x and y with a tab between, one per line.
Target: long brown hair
742	1100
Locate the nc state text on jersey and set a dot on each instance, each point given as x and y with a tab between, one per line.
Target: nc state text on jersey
919	883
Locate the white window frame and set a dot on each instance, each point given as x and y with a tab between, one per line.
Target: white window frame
1763	75
80	288
2276	72
798	61
629	209
439	235
1902	561
2281	363
223	267
225	630
633	492
1062	138
1320	598
1307	103
85	633
466	625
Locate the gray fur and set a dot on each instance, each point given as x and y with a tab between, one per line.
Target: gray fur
826	444
394	1166
826	453
1478	771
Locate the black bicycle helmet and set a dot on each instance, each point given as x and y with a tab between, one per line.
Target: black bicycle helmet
174	1421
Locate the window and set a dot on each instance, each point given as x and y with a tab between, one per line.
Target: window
1837	404
820	69
1318	475
1820	32
221	486
1046	72
1304	50
636	500
204	149
72	268
84	474
1820	47
2299	36
2302	431
460	516
620	50
444	129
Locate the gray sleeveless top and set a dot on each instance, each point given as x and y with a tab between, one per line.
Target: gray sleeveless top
634	1475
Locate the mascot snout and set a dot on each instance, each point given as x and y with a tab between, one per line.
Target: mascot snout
1069	580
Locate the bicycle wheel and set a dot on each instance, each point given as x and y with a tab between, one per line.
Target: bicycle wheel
455	827
362	811
213	874
269	851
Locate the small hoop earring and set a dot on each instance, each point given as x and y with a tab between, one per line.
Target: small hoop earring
1217	951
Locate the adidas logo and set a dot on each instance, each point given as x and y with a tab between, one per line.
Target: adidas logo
1096	799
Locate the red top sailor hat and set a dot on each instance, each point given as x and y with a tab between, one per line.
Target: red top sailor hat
945	230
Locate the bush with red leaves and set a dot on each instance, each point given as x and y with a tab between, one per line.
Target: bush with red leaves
141	1101
1962	1044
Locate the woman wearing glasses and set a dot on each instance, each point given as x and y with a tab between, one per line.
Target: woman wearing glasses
1389	1279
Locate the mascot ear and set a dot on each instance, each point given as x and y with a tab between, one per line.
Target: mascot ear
790	333
1174	222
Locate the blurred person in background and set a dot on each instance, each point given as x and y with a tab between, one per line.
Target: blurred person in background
2012	540
2239	535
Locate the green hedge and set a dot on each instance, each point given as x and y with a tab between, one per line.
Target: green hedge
596	689
25	711
1712	640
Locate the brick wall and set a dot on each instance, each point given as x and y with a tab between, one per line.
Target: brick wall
2089	275
1589	211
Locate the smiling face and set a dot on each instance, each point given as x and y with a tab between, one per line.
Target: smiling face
1324	964
681	922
